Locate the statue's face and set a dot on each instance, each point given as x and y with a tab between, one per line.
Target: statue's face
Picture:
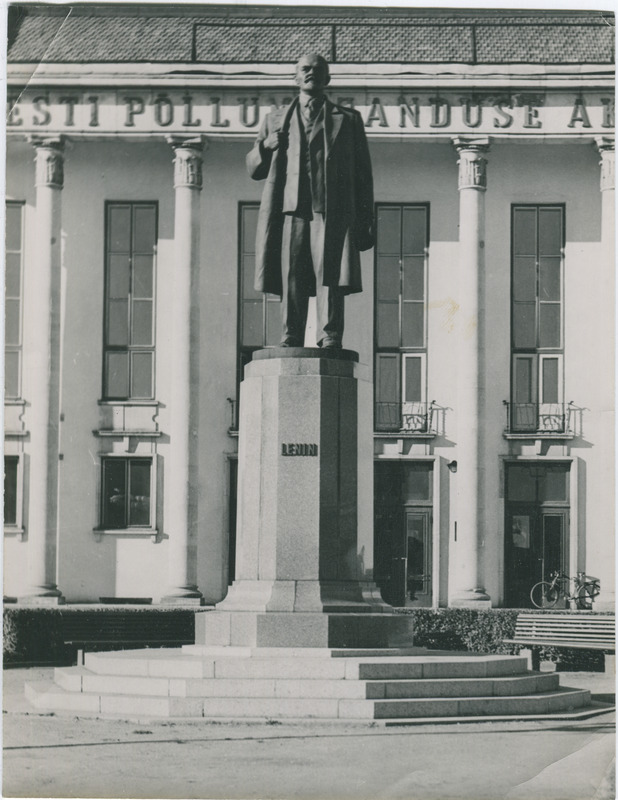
312	74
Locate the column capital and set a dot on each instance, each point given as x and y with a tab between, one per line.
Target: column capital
49	161
187	160
606	147
472	164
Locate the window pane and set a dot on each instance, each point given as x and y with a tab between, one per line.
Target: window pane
389	231
549	278
550	381
414	278
10	490
119	276
249	228
549	326
139	500
524	232
524	380
248	278
417	483
553	484
524	278
11	374
114	493
142	276
413	369
413	325
144	229
11	322
141	375
388	325
524	334
550	231
142	322
273	322
118	322
388	277
13	226
117	375
387	378
521	484
119	228
414	230
252	323
12	274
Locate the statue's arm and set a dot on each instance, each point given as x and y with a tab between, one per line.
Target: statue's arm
259	158
364	188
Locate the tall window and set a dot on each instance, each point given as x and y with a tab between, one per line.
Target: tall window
127	493
537	318
11	467
401	317
259	314
128	358
13	300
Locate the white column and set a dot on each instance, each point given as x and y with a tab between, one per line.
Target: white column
181	478
43	365
600	558
466	589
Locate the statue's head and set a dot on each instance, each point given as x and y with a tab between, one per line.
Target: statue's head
312	74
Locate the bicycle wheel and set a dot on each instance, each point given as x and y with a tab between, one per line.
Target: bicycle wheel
586	596
544	595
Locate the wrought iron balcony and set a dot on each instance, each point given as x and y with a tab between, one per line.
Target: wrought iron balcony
404	418
542	418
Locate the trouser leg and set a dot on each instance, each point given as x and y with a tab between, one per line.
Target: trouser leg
297	277
329	299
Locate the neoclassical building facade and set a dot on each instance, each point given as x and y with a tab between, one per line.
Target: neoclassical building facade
486	324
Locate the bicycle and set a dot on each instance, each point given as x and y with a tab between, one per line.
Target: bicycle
546	594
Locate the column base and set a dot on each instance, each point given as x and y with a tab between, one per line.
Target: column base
470	598
305	596
250	629
183	596
42	596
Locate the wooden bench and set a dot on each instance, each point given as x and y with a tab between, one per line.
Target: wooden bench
585	631
118	629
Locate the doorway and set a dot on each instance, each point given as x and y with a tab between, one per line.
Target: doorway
403	532
536	528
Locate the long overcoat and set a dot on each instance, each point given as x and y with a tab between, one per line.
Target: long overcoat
348	223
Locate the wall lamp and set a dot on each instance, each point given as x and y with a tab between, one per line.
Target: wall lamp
452	465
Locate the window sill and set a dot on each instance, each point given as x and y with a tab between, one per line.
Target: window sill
128	402
404	435
539	435
14	401
121	433
139	532
15	530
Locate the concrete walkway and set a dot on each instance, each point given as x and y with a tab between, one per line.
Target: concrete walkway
53	756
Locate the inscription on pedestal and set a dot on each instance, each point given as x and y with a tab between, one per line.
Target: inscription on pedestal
299	449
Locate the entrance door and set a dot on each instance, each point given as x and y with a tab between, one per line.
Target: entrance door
536	546
418	547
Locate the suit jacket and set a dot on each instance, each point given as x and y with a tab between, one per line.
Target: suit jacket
348	223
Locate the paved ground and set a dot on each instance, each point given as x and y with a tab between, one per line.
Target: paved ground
54	756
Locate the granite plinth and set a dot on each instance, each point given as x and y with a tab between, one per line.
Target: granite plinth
346	630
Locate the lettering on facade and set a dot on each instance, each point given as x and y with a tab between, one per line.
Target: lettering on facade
299	449
174	111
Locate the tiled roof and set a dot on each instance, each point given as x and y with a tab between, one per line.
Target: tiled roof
212	34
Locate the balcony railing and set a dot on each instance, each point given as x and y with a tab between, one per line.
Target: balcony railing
540	418
404	417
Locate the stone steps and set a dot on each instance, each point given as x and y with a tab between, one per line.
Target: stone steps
292	684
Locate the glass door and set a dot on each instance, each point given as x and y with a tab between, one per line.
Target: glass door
418	547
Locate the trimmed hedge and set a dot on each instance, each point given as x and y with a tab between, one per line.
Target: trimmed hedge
484	632
35	636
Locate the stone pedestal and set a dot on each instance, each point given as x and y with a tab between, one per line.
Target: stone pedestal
301	574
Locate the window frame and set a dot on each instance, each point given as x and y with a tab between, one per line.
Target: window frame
151	528
130	349
16	348
540	418
401	352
